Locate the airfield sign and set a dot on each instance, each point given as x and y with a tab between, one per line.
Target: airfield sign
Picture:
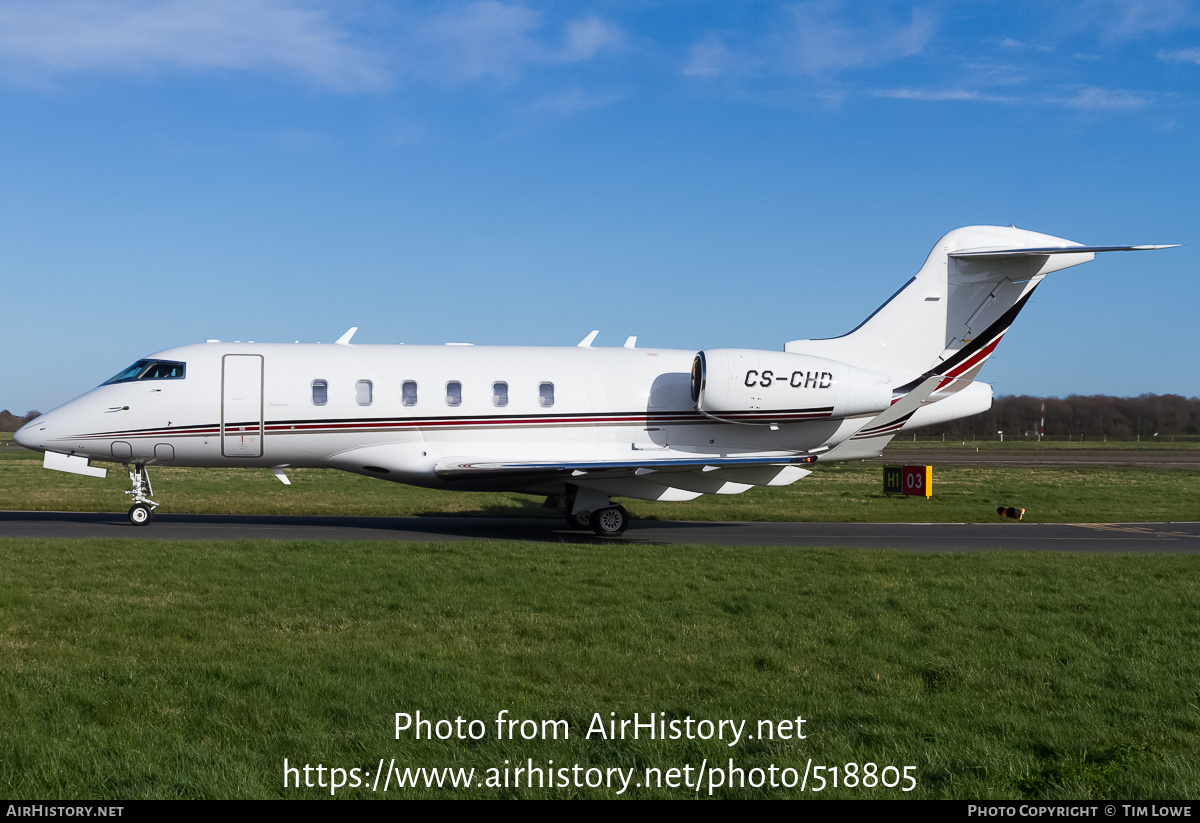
908	480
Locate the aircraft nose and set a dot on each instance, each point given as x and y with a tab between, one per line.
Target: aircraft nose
33	434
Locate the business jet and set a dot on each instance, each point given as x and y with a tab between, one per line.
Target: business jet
579	424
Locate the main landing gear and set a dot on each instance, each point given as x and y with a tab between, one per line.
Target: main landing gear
610	522
142	510
607	522
579	522
587	509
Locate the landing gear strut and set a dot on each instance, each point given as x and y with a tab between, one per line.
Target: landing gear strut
142	510
589	509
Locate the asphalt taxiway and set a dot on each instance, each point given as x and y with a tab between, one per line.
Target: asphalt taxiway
1010	535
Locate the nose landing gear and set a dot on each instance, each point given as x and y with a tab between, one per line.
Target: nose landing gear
142	510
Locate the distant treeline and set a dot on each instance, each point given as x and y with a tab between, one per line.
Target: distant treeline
9	422
1121	418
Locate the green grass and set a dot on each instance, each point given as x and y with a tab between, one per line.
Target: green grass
145	669
1176	443
839	492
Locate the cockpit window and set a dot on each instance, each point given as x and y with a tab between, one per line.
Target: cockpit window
149	370
164	370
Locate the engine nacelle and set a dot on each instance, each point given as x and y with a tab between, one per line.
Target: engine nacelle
770	387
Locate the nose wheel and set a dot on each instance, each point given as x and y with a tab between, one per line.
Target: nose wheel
141	513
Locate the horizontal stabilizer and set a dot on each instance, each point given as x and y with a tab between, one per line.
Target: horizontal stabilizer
992	254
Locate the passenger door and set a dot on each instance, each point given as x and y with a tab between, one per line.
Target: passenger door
242	405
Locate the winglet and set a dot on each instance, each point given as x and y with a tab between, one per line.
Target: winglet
344	340
586	343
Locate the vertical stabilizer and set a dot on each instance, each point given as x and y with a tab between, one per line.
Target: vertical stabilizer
948	319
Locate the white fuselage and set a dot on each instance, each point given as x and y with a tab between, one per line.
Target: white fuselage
348	407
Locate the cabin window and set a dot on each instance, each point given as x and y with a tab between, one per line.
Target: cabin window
454	393
546	394
362	394
149	370
320	392
408	393
499	394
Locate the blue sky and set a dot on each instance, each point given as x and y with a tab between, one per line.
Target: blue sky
525	172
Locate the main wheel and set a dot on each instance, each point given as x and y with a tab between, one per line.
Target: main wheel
140	514
580	522
610	522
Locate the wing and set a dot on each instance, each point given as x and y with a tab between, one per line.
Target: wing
684	478
647	478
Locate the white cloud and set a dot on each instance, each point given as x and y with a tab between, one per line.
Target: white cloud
473	40
573	101
712	58
587	38
486	38
1124	19
41	39
458	41
818	39
1094	99
1090	98
826	37
1181	56
935	96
